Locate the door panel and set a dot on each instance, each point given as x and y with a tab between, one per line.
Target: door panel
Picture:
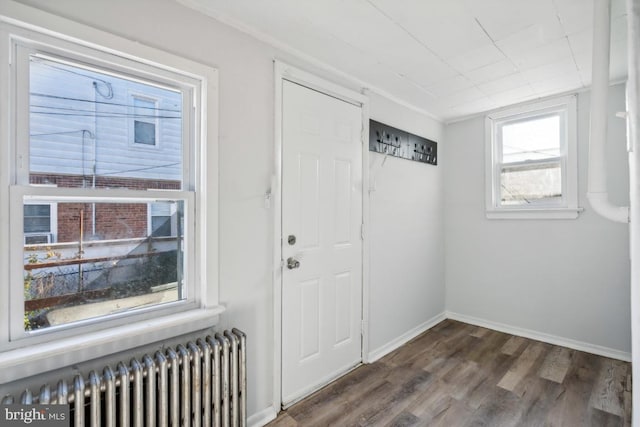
310	311
342	304
342	192
309	196
322	208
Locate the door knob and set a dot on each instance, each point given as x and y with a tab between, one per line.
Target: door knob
292	263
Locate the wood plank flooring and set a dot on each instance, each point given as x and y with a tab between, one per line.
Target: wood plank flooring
457	374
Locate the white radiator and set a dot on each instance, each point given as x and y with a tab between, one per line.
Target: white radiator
197	384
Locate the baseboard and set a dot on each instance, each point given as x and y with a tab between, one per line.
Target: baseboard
404	338
263	417
540	336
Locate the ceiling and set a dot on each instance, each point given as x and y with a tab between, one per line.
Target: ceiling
450	58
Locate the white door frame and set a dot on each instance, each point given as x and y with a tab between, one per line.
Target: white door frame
283	71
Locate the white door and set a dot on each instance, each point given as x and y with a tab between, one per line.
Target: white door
322	212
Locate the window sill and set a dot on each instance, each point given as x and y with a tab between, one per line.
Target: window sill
541	213
35	359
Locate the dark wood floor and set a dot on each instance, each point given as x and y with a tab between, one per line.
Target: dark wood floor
457	374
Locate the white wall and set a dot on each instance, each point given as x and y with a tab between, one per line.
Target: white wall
407	235
564	278
246	150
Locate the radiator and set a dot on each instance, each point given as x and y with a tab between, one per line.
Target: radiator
196	384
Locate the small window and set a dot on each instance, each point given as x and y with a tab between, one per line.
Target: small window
37	219
145	121
40	223
162	219
531	161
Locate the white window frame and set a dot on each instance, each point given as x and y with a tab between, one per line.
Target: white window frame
155	121
567	207
24	353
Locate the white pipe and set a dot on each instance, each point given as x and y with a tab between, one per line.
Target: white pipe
633	127
597	179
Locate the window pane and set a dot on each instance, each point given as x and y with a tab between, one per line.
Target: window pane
37	225
37	210
37	218
145	133
103	263
533	184
83	125
144	107
35	239
534	139
160	226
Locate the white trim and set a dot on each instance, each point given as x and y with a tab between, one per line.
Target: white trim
283	71
541	336
6	162
312	81
278	262
366	250
405	338
546	213
25	362
263	417
531	107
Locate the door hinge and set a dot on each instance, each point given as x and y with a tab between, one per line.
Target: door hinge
362	231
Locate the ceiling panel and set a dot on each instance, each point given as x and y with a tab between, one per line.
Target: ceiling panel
502	18
477	58
546	54
492	71
463	96
449	86
550	70
575	15
449	58
501	84
434	30
532	37
557	84
514	96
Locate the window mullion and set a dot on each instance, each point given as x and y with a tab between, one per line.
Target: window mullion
540	162
497	163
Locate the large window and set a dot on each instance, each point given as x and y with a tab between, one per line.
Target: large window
531	161
101	234
76	115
